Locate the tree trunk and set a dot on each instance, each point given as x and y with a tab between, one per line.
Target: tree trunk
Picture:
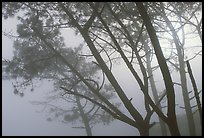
180	53
195	91
153	87
144	132
164	69
144	129
83	116
173	130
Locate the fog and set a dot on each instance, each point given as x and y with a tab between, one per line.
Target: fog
21	118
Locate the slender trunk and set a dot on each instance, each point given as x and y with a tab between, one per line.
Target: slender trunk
164	69
171	124
153	87
84	117
195	91
187	104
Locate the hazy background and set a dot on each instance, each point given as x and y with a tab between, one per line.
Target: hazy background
20	117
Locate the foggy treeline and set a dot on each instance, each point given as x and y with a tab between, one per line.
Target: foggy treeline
146	37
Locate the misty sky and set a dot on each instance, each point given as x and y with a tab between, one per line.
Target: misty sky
20	117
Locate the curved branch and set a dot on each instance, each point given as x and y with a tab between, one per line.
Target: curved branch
115	115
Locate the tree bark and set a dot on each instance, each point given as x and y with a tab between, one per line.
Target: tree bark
164	69
144	131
